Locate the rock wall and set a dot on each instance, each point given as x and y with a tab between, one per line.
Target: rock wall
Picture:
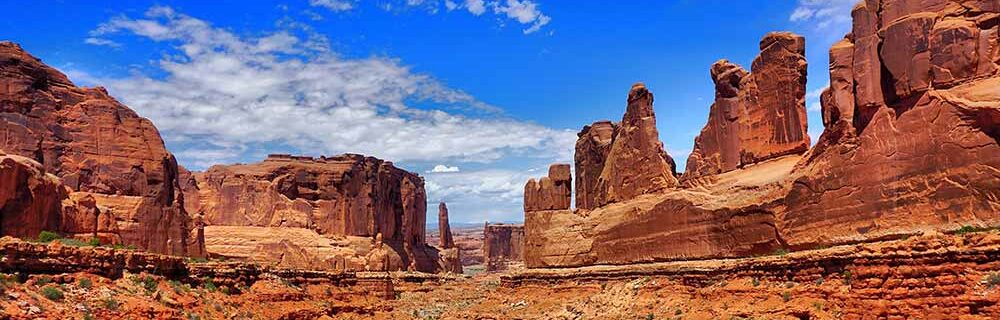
345	197
503	246
552	192
99	148
917	145
910	144
756	116
592	147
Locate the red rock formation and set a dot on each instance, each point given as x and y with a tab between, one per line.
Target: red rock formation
911	143
450	256
30	199
552	192
341	196
757	116
96	146
636	163
444	229
592	148
503	246
922	153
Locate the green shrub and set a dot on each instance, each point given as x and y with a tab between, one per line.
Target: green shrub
846	275
47	236
72	242
85	283
755	281
198	259
52	293
650	316
993	280
819	281
781	252
94	242
209	285
111	304
678	312
42	281
786	296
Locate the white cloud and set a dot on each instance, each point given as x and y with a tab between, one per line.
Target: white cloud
224	97
101	42
476	7
333	5
443	168
833	15
480	195
525	12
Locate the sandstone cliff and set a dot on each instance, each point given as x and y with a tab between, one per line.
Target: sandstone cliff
100	149
350	200
911	143
756	116
503	246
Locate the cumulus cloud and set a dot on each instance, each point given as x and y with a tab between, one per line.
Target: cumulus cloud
525	12
218	96
832	15
443	168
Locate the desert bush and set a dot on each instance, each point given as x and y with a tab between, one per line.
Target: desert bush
47	236
85	283
52	293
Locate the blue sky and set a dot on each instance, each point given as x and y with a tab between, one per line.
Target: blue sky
476	96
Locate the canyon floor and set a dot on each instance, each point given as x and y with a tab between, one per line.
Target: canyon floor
935	276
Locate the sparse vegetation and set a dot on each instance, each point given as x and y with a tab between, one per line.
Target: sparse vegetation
781	252
47	236
969	229
198	259
148	283
73	242
111	304
52	293
94	242
846	276
42	281
85	283
207	284
650	316
819	281
786	296
992	280
755	282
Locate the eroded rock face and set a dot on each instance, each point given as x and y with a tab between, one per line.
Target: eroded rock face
552	192
636	163
756	116
30	199
503	246
910	144
592	147
97	146
450	255
921	152
444	228
341	196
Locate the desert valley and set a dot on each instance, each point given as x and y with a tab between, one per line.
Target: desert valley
892	213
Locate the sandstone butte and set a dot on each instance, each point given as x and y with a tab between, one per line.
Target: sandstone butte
911	143
80	163
503	246
348	212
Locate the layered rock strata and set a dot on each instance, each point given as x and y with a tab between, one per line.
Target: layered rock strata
350	205
756	116
503	246
552	192
910	144
100	149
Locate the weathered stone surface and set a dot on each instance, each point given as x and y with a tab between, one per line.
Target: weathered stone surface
552	192
756	116
95	145
30	199
592	147
444	228
503	246
450	255
920	155
637	163
337	197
